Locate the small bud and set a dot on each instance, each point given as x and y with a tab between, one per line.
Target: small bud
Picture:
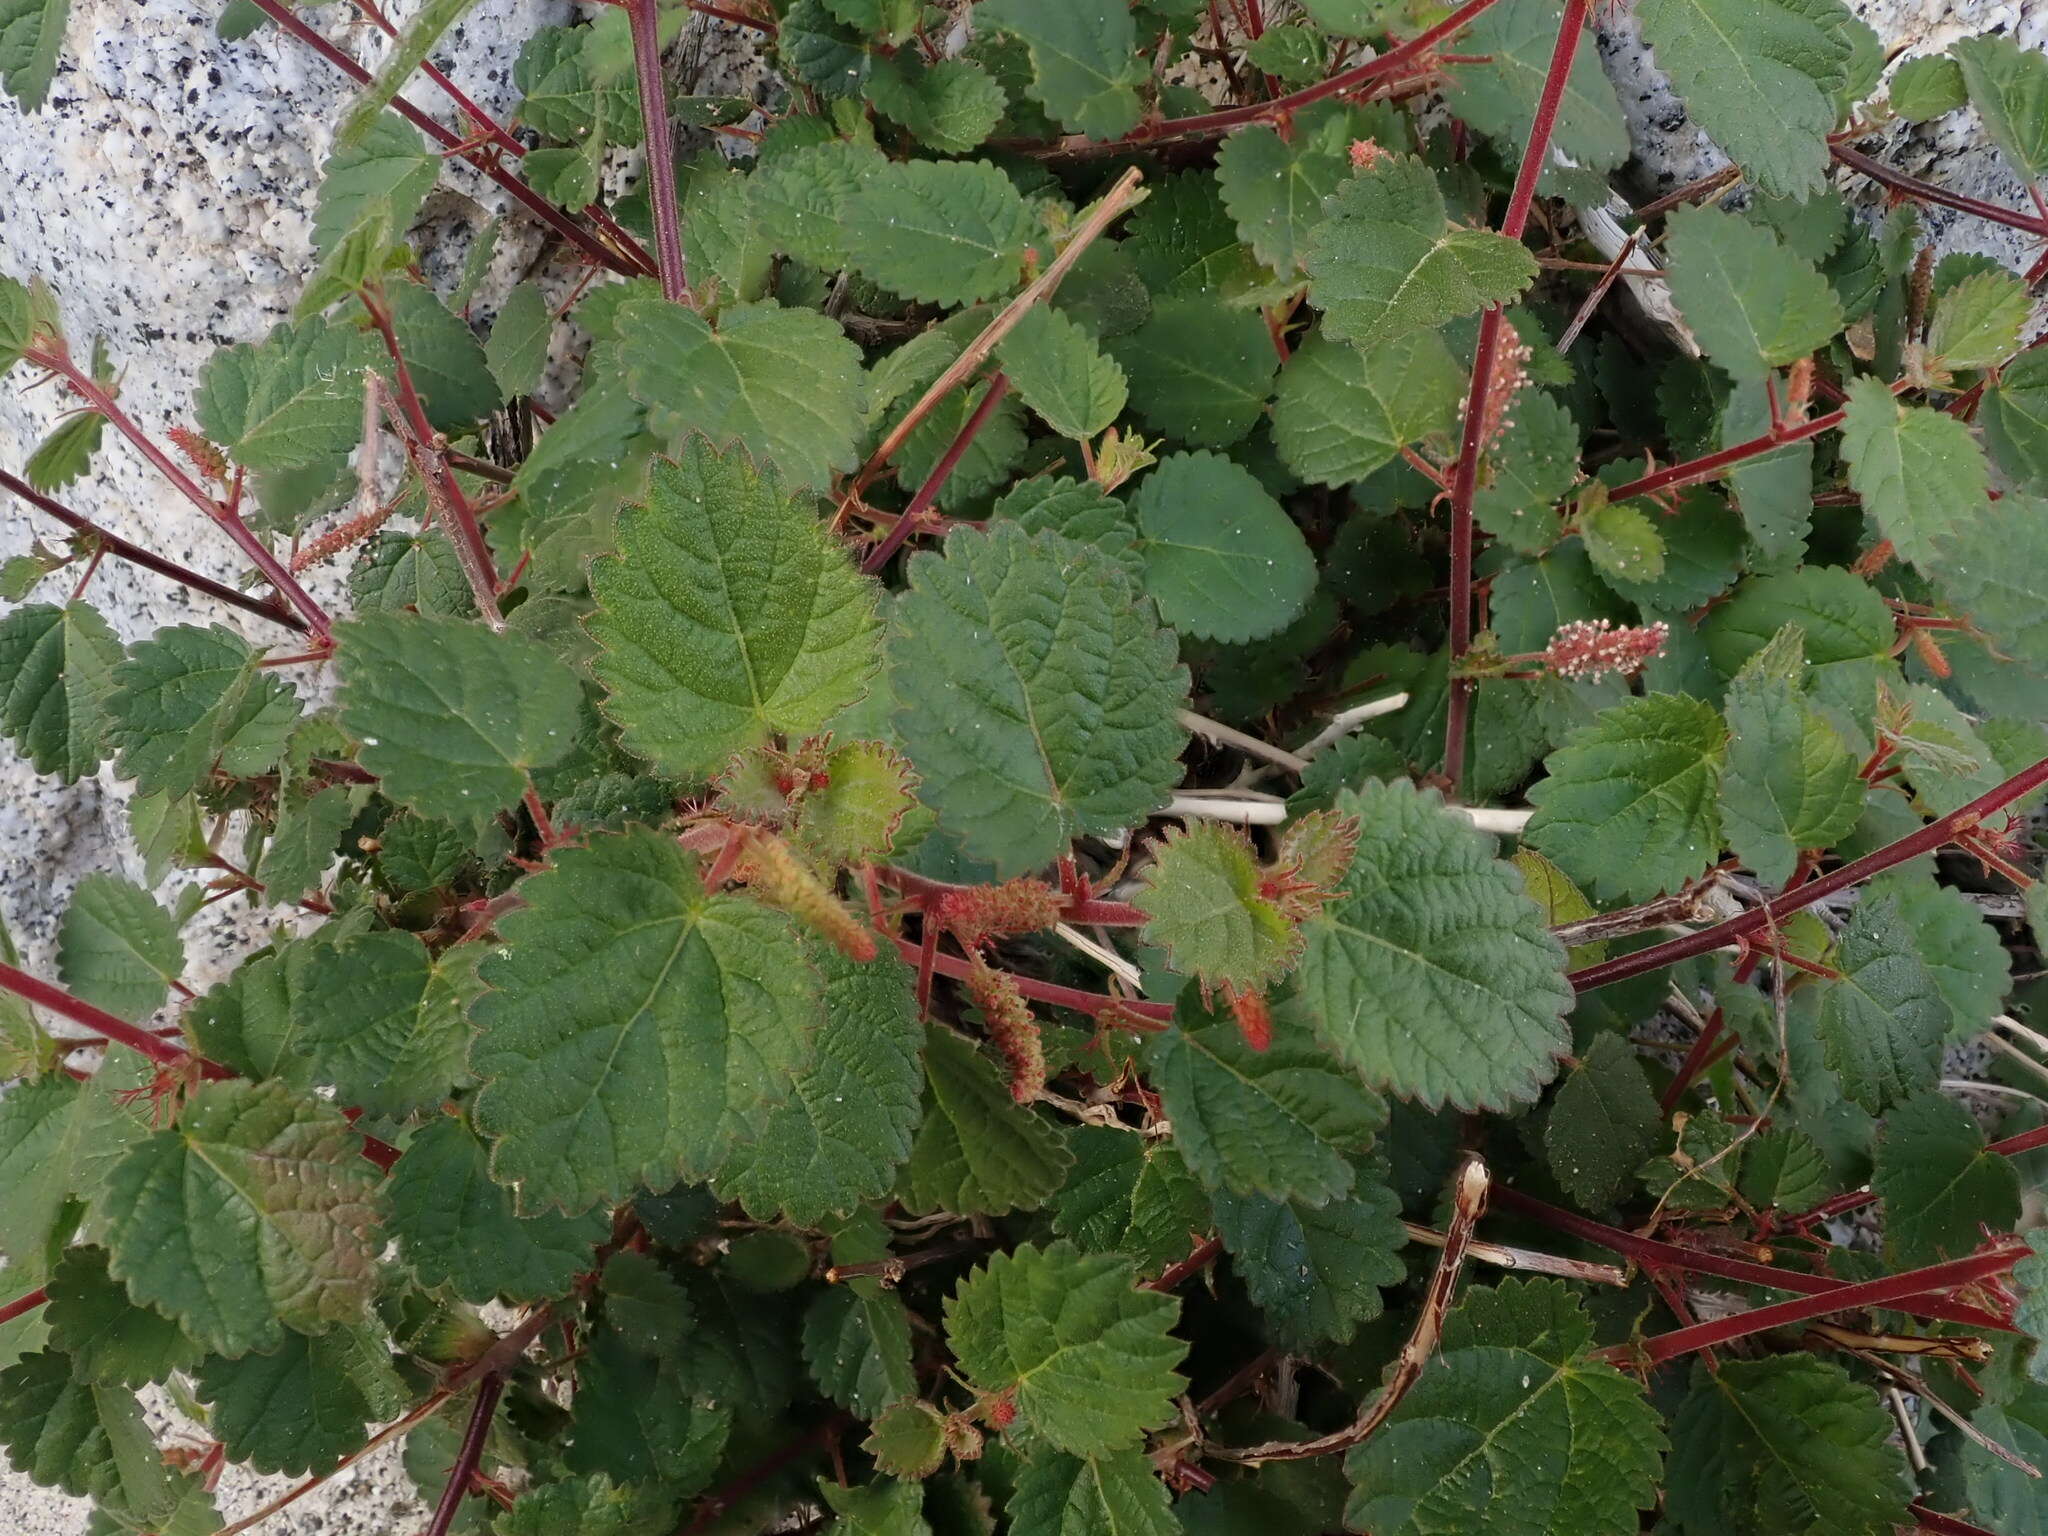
1365	154
1587	650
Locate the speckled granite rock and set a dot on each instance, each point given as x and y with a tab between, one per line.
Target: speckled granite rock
165	192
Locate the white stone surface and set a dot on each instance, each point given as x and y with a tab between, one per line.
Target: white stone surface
165	191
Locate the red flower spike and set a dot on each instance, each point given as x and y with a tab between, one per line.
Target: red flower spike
1586	650
1254	1018
1010	1026
780	878
977	913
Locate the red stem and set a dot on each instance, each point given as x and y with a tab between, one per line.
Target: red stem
44	994
1203	1256
471	1454
715	1503
135	554
484	160
1695	1063
2025	1141
23	1304
88	390
720	13
1710	465
1927	192
1535	155
661	165
1649	1253
1090	1003
471	550
1770	913
1886	1290
906	521
1209	124
1944	1525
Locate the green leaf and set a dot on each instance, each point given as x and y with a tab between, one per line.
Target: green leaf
253	1214
108	1337
857	1344
457	1228
381	178
784	382
1784	1169
848	1122
381	1020
117	949
1038	697
452	717
1131	1195
293	399
189	702
85	1437
1059	371
1844	620
517	351
446	361
1978	322
58	1138
1941	1186
1603	1123
1995	569
2008	85
1629	803
1928	87
1531	465
568	488
801	199
1759	77
1774	491
1113	1495
1274	187
1881	1025
1920	473
876	1509
1222	558
296	858
1198	370
1753	304
56	667
1499	97
1432	973
642	1419
889	21
66	454
302	1407
1084	59
943	232
1789	1444
728	613
31	36
1087	1358
1315	1271
908	1439
18	320
950	106
1387	260
1202	902
1184	244
977	1151
589	1506
634	1025
1511	1429
1960	948
1340	412
1622	542
1281	1123
1790	781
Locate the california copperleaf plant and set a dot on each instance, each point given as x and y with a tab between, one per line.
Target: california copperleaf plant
1113	787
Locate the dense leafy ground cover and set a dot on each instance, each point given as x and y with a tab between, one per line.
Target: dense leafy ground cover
767	904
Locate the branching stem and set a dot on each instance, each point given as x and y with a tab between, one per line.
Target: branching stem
661	150
135	554
1465	482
